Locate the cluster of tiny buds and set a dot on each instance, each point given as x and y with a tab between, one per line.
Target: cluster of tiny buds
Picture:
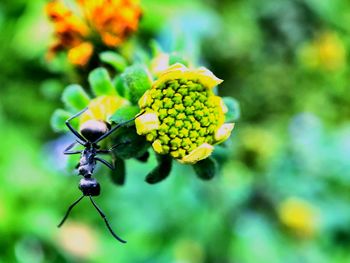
189	115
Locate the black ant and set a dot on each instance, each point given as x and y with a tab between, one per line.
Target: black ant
91	133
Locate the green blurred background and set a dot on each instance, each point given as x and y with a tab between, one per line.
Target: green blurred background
283	194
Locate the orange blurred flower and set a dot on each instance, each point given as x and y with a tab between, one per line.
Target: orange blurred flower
108	22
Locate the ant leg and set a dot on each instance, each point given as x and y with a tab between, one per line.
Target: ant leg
117	127
70	127
80	142
66	151
105	219
68	211
119	144
103	151
72	152
113	147
110	166
70	146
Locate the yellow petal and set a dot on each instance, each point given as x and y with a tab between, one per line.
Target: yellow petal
223	106
175	71
102	107
157	146
223	132
145	100
179	71
177	66
147	122
207	78
201	152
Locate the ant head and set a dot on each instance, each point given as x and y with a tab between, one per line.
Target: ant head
89	186
94	129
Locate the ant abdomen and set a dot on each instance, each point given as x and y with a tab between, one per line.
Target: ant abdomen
89	187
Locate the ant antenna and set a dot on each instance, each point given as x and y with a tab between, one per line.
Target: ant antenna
106	221
68	211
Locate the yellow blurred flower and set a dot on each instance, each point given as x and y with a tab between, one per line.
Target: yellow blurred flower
189	251
102	107
299	215
109	22
78	240
259	141
327	51
183	116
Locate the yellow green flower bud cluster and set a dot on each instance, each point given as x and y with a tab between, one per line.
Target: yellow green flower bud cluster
188	115
183	117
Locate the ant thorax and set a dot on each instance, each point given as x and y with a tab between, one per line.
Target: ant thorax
87	162
93	129
87	156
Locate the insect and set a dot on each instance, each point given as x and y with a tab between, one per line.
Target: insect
91	133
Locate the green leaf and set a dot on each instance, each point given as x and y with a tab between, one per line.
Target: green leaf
51	89
100	82
233	107
155	48
206	169
58	120
118	174
125	113
136	80
75	98
131	145
142	56
119	86
161	171
113	59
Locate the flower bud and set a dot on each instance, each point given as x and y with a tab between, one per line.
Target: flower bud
183	116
